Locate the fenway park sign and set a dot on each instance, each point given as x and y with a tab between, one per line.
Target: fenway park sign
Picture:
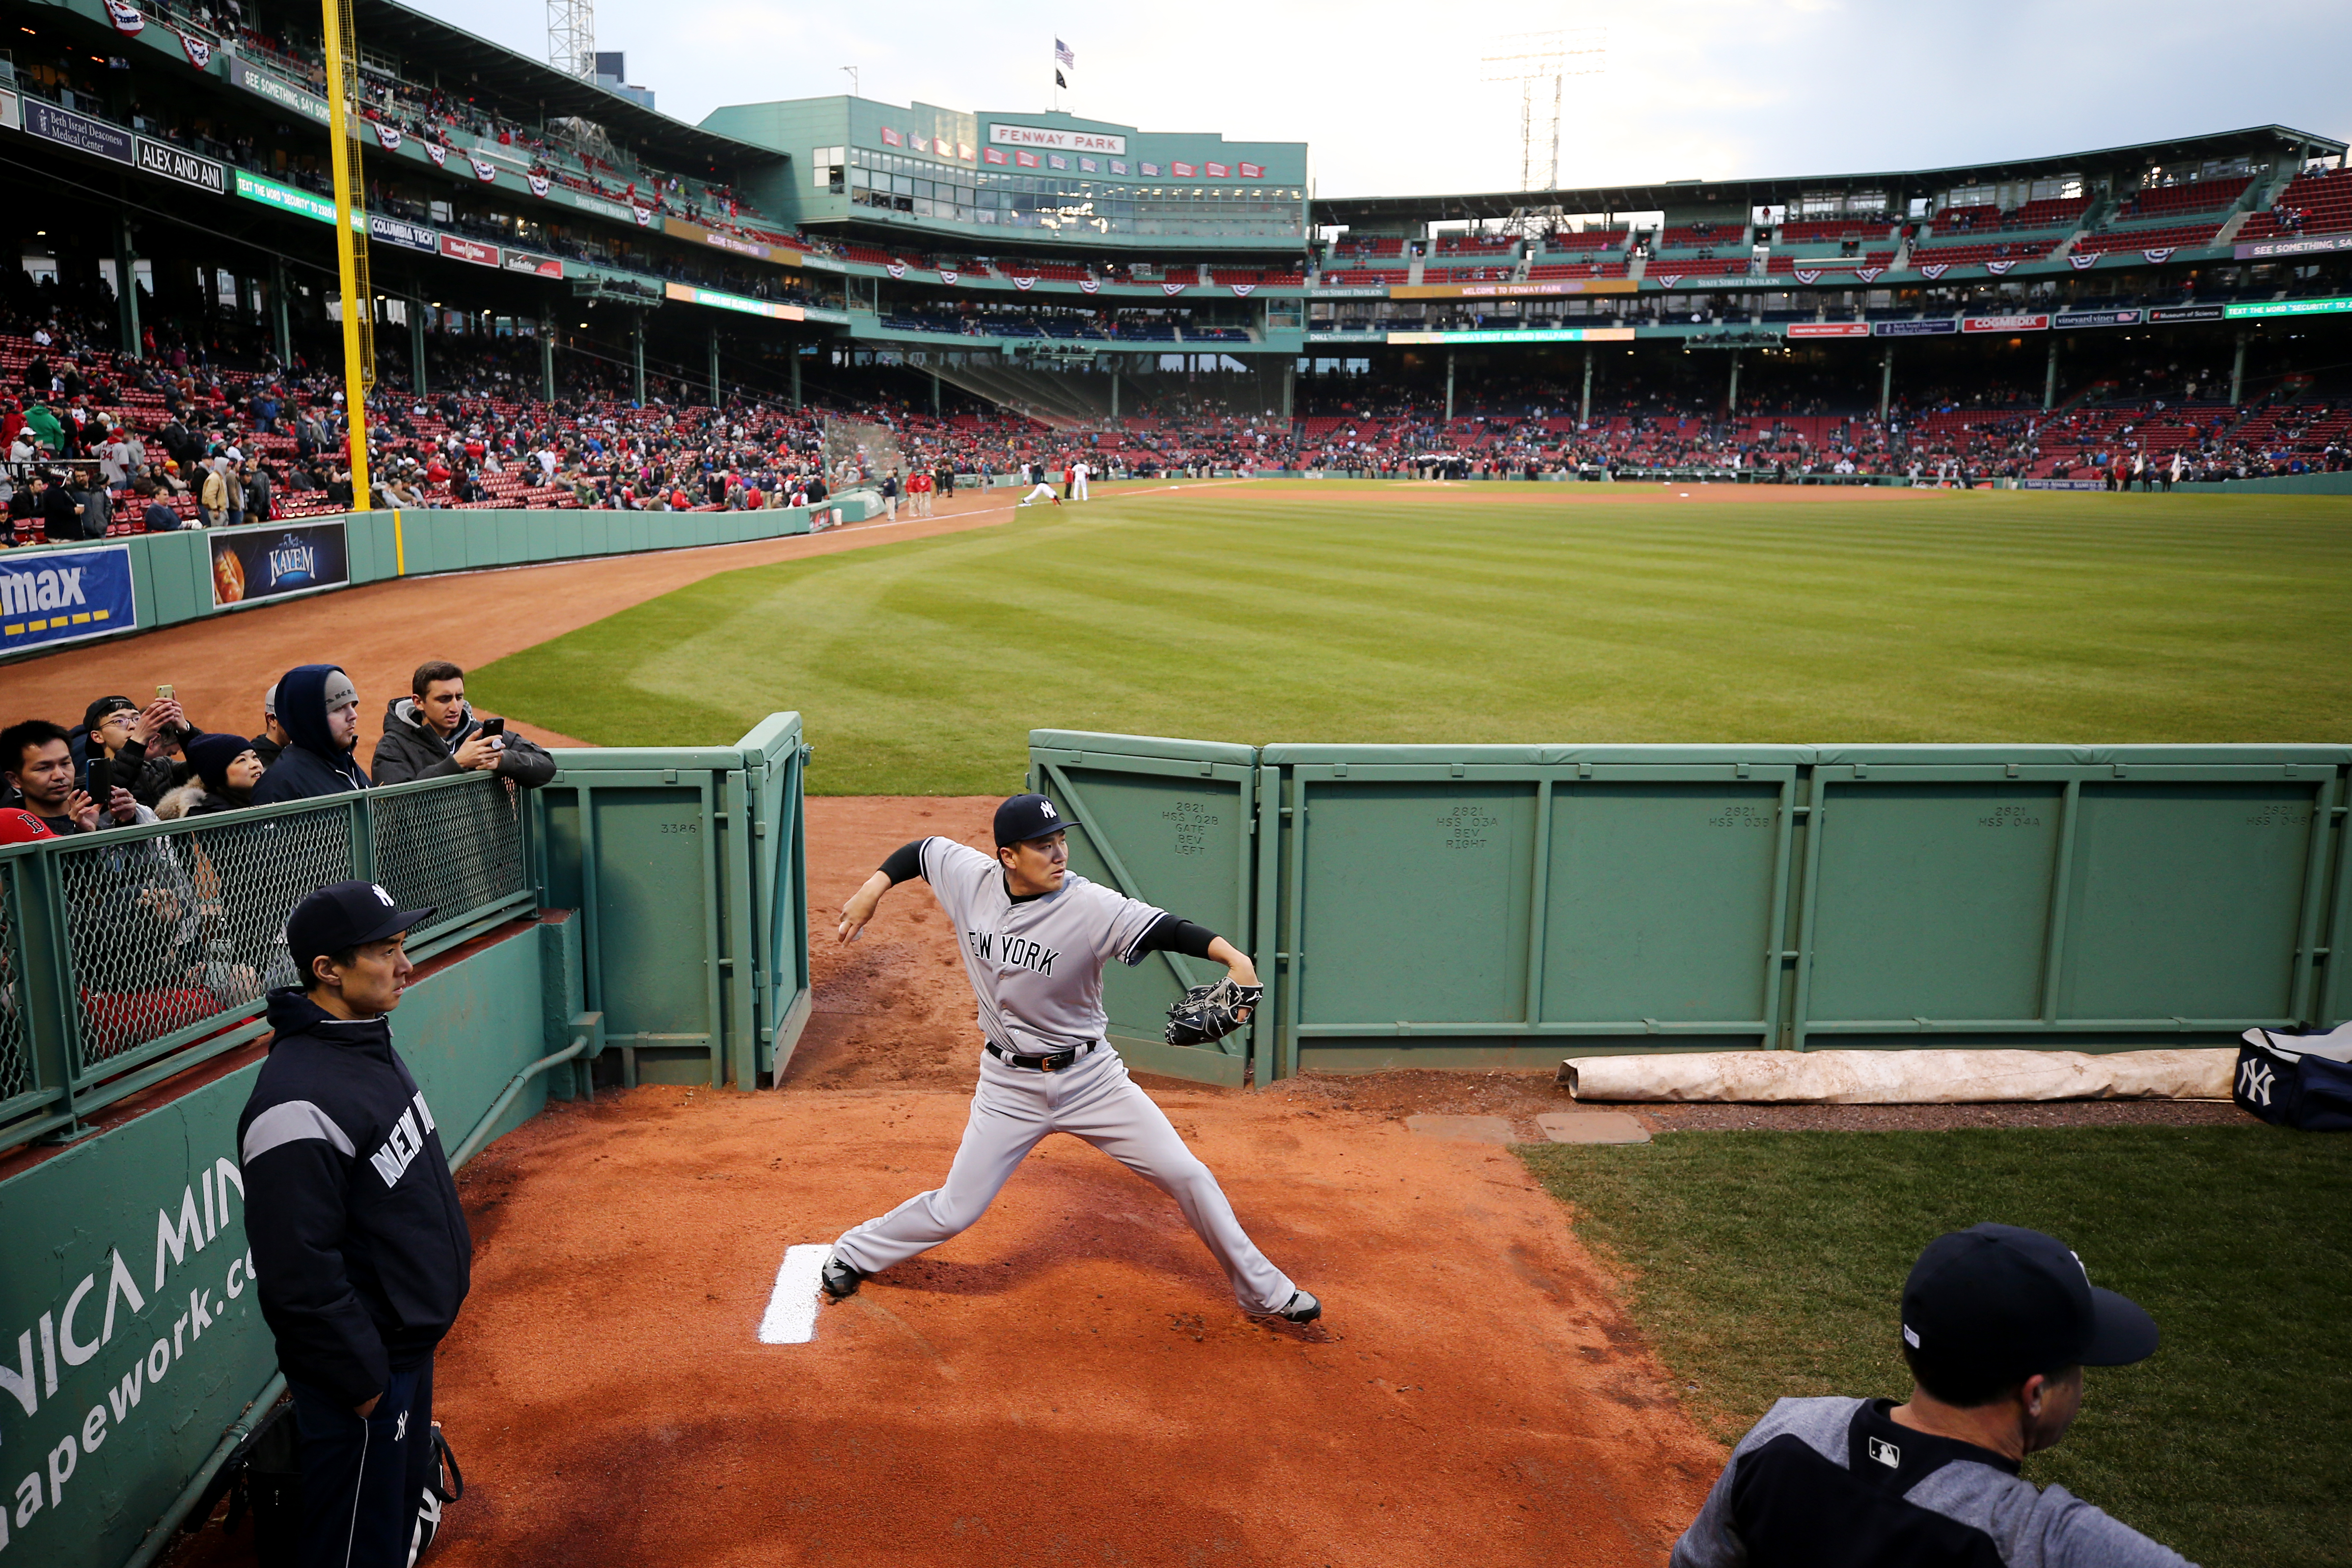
1048	139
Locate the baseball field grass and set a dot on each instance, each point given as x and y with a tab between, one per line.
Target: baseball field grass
1500	613
1770	1263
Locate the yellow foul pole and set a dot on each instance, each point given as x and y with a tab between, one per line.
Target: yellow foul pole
350	237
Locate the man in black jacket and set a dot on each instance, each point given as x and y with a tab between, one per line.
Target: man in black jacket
361	1250
319	709
434	734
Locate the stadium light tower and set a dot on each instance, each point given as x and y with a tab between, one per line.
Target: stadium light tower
1541	63
571	37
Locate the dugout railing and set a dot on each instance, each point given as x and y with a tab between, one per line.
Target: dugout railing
1501	906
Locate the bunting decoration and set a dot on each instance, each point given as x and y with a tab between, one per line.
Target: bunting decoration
1868	274
2161	256
1998	268
1089	285
1809	274
949	275
895	268
1171	288
198	50
1244	290
2080	262
387	137
1934	269
1668	280
438	154
484	170
539	184
1025	283
126	19
645	216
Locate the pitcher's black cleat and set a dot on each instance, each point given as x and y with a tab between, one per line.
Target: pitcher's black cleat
1301	1307
841	1280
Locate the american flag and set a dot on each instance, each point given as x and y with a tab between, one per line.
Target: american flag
1062	55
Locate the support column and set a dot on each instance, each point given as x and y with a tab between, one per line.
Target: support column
1584	409
546	354
1449	387
797	378
1114	395
2050	378
638	356
1289	389
416	309
935	392
126	281
1886	381
281	311
1731	402
2238	372
714	367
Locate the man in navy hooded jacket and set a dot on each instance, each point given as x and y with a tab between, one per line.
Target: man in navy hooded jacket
319	710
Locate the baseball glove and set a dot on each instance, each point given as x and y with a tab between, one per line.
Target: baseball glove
1212	1012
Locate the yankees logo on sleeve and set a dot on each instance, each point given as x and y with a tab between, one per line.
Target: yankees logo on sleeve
1036	964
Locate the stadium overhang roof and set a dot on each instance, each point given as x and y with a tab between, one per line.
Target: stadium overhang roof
1778	191
385	27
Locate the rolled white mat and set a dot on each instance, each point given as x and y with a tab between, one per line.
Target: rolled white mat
1902	1076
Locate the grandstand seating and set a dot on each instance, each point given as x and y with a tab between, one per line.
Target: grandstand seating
1474	245
2311	203
1966	220
2176	235
2052	211
1593	239
1365	279
1368	249
2192	197
1703	267
1988	251
1812	231
1699	235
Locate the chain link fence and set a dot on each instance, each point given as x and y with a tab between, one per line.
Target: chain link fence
185	928
16	1049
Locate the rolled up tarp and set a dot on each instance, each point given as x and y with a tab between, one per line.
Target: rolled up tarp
1901	1078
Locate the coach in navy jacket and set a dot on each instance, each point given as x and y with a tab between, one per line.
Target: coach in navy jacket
361	1251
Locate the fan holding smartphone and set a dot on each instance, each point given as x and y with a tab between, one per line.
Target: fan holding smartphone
433	733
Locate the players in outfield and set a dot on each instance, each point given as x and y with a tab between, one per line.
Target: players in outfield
1035	938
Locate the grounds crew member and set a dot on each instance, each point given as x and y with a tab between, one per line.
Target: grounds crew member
1998	1325
434	734
361	1251
1034	941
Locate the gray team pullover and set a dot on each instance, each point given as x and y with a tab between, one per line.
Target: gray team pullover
1838	1480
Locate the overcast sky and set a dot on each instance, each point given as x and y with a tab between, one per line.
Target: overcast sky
1391	100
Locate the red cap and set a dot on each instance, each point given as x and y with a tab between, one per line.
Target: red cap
18	826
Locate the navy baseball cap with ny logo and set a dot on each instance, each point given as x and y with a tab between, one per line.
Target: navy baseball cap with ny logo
1027	817
2010	1301
344	915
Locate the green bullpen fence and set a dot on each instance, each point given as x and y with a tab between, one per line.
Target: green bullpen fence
1504	906
664	885
173	575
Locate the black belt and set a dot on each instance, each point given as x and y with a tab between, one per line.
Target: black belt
1054	1063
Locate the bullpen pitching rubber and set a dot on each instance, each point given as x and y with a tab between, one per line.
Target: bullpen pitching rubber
791	1316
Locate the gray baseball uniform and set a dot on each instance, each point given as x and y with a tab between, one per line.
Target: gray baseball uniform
1036	965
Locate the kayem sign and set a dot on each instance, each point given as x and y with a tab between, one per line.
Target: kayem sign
2036	323
1046	138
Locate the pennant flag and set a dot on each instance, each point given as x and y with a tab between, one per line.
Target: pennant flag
992	155
2160	257
1058	81
1025	283
1809	274
484	170
1063	57
1171	288
2080	262
891	138
1998	268
1089	285
1669	279
198	50
895	268
1252	170
947	274
1868	274
438	154
126	19
1935	269
963	152
387	137
1243	290
645	216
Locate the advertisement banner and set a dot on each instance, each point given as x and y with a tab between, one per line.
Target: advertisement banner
79	132
1554	286
2328	307
1828	329
12	112
383	230
473	250
276	560
1933	327
2162	314
286	198
685	293
537	266
1522	335
2061	484
2066	321
2293	245
179	163
1054	140
261	82
64	596
2034	324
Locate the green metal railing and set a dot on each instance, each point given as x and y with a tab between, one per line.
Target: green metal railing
133	953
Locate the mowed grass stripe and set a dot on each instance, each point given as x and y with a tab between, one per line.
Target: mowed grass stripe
1257	613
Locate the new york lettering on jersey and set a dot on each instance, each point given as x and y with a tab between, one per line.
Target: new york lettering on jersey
1020	952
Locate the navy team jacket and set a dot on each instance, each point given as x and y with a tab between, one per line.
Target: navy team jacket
360	1248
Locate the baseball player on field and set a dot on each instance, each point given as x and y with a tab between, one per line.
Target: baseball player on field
1035	938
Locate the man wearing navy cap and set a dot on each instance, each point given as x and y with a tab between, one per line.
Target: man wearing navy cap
361	1251
1998	1325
